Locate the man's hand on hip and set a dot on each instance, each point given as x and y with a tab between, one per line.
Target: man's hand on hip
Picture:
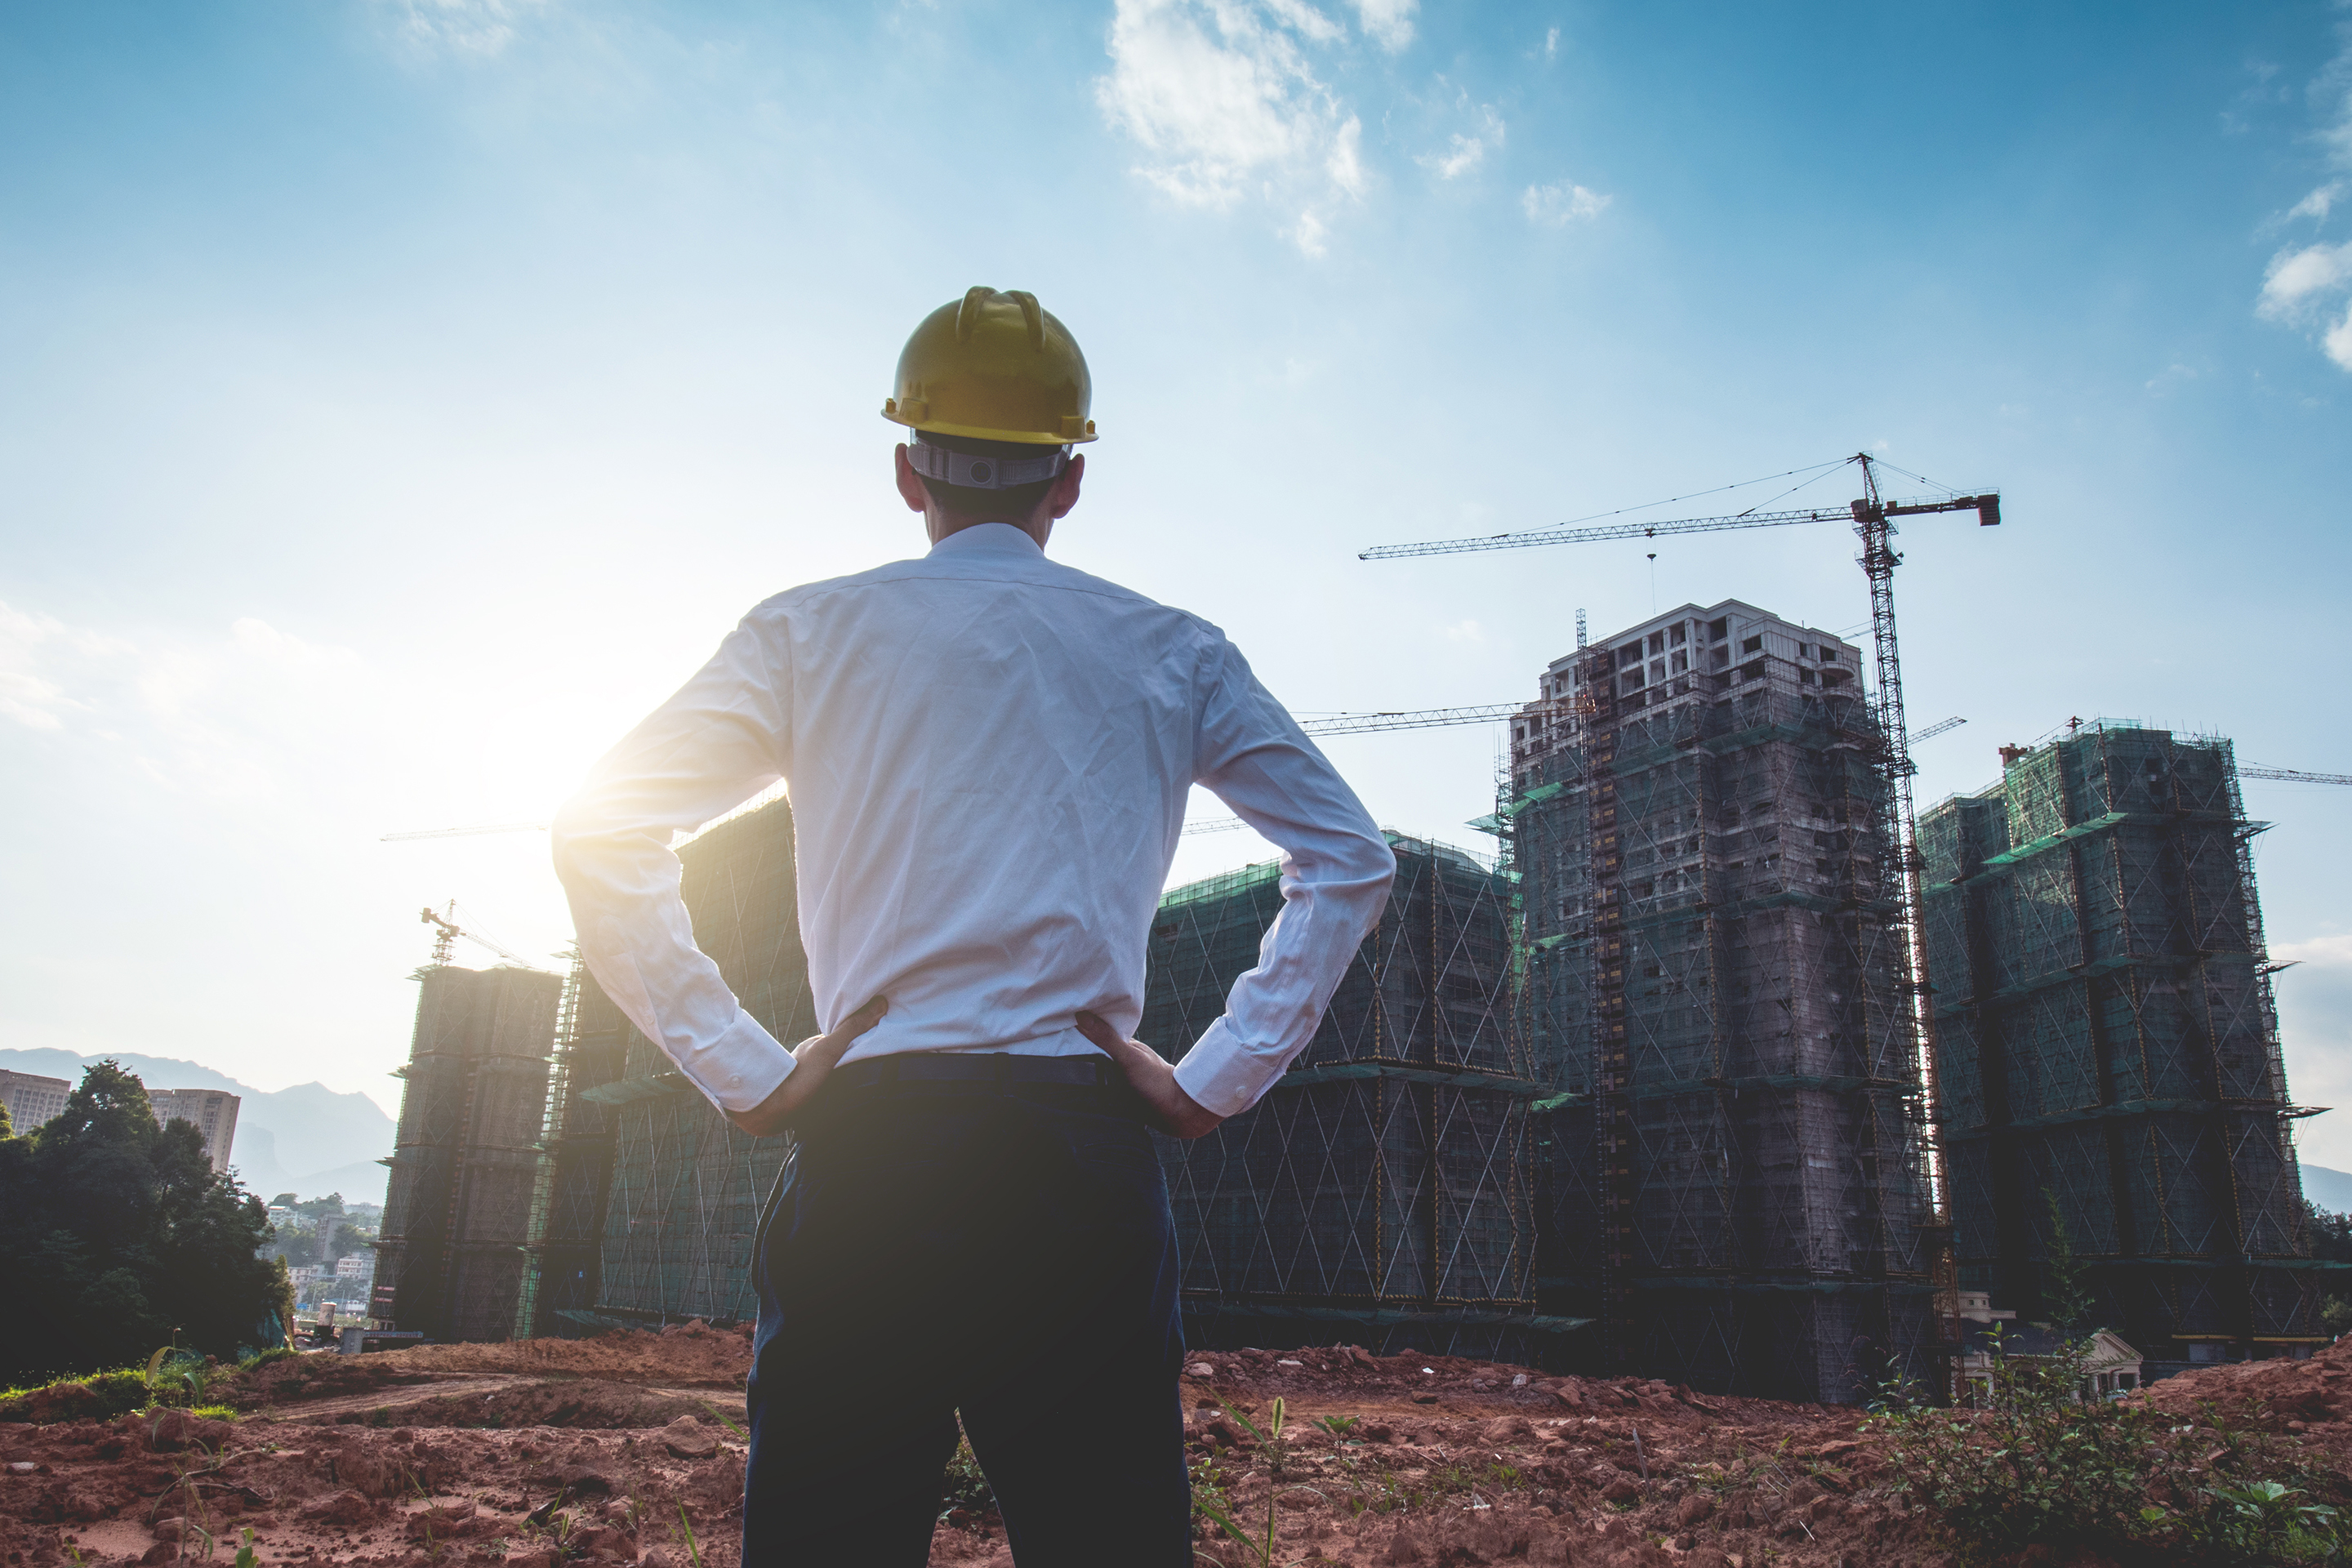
814	1058
1174	1111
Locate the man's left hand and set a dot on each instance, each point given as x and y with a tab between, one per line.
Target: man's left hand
1174	1111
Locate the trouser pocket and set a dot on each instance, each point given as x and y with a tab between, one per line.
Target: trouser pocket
777	1193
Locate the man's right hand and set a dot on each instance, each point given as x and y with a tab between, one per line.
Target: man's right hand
814	1058
1147	1073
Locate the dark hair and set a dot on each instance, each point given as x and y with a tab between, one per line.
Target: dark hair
964	501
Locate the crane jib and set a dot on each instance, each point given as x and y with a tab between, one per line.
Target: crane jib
1987	507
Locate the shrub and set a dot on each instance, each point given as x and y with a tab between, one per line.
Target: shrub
965	1487
2037	1464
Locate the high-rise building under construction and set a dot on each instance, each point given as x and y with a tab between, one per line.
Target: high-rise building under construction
2114	1104
650	1205
1379	1192
1730	1172
464	1160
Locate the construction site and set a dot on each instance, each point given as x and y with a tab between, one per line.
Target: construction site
1701	1074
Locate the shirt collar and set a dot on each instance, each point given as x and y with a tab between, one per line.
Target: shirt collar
989	539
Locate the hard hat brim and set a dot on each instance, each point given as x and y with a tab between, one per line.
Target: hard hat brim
986	433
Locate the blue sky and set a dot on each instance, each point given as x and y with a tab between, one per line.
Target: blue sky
397	397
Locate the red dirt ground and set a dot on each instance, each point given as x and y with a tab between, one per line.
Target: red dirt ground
607	1450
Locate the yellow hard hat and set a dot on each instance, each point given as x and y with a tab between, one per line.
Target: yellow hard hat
997	367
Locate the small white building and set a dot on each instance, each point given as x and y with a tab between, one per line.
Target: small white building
2109	1367
356	1265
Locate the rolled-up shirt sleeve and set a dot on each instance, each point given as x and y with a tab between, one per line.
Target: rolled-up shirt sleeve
1335	876
716	744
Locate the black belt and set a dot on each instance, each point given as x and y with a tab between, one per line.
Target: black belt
984	1069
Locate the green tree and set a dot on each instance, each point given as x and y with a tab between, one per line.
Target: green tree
2331	1239
2066	1289
117	1235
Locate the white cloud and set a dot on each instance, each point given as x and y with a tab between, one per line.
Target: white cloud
2319	952
2337	341
1462	156
216	715
1222	97
1306	21
2317	205
478	28
1557	207
1551	44
1465	153
1466	631
2295	277
1388	23
2311	287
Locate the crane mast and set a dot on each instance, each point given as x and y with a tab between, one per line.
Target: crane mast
1873	525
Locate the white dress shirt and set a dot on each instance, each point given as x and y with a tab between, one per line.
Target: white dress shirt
988	755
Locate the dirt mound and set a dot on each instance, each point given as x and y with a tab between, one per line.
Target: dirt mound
689	1354
2290	1396
580	1403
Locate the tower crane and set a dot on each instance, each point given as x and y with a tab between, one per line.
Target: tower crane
446	932
1873	515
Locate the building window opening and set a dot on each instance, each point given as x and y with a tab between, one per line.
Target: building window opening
1718	630
1679	663
1657	642
1752	645
1674	638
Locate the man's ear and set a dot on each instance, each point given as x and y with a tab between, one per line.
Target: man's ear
1066	485
910	483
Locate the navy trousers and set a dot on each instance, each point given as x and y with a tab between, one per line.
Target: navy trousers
1004	1253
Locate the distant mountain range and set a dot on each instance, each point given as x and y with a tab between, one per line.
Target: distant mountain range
308	1139
2326	1189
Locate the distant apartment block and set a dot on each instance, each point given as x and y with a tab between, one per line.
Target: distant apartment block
356	1265
211	1110
32	1100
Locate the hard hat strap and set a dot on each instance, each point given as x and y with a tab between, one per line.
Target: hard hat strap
979	471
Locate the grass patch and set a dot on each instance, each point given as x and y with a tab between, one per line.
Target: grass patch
99	1395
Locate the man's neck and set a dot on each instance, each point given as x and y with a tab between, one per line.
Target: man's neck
943	525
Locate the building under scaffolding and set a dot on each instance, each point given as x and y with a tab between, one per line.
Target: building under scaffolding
651	1199
2112	1091
1379	1192
1730	1172
465	1158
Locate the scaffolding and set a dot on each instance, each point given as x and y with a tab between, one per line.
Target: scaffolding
1730	1169
1379	1191
652	1198
465	1158
2113	1079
